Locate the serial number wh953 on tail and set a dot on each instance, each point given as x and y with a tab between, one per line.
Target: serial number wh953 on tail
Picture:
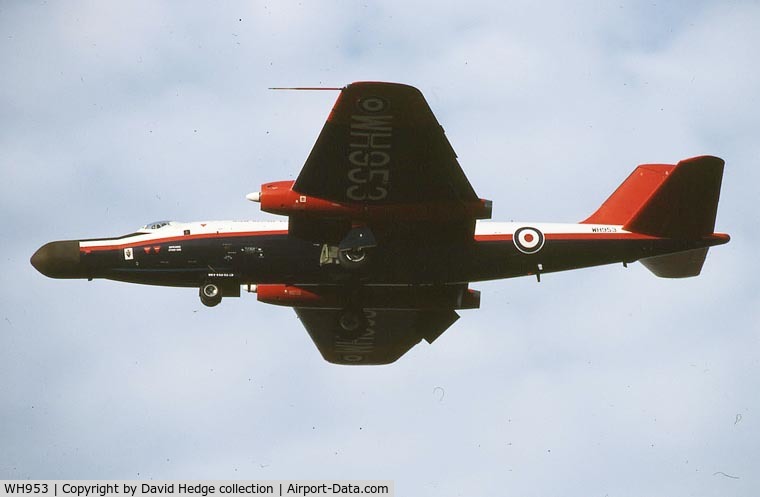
385	234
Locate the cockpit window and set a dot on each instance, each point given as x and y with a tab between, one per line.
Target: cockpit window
156	225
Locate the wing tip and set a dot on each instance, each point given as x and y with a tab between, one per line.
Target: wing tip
386	84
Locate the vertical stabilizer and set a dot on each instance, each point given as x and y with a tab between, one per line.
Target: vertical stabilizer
685	204
664	200
631	195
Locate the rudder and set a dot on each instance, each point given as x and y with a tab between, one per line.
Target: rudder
685	204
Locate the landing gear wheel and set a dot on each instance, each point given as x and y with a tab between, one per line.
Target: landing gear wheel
210	294
351	323
353	258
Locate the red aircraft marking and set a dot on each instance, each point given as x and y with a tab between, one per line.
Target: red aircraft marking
569	236
236	234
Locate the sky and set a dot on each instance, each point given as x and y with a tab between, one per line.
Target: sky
597	382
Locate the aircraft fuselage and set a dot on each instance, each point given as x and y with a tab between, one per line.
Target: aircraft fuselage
242	253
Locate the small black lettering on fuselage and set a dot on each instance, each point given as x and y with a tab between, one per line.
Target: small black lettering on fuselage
604	229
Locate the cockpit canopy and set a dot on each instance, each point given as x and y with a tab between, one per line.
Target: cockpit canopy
156	225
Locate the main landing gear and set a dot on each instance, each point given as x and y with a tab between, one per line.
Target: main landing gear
353	258
353	252
210	293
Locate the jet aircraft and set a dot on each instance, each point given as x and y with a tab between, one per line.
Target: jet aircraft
385	234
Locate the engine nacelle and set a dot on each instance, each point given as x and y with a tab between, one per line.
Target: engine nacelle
294	296
380	297
280	198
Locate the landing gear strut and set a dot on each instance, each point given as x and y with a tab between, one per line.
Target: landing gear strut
210	294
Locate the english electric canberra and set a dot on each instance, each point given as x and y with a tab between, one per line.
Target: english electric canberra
385	233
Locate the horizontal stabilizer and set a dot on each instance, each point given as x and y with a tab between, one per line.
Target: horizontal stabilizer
678	265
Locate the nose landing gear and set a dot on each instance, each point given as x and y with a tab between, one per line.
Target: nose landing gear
210	294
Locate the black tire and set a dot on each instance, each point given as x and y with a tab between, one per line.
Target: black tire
210	294
353	259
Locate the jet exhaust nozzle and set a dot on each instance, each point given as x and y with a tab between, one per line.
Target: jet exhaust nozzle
254	196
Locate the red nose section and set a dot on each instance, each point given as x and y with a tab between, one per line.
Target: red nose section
59	260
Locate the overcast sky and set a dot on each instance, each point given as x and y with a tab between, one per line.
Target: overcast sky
605	381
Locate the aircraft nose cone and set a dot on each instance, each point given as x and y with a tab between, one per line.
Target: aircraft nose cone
58	260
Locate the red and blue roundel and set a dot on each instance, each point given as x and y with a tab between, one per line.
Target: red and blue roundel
528	240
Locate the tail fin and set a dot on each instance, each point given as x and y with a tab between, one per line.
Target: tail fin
678	201
631	195
686	203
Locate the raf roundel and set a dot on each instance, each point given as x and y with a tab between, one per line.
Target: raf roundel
528	240
373	104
